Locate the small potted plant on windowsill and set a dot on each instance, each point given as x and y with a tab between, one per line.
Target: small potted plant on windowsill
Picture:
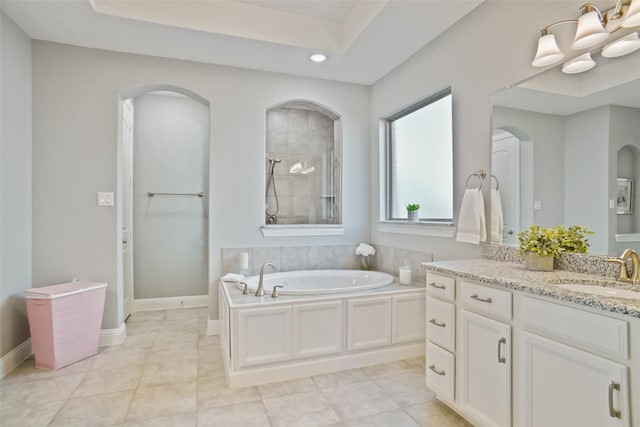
413	212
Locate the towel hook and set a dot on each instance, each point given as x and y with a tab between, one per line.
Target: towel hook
480	174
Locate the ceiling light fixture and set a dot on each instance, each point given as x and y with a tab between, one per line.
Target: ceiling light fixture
593	28
318	57
579	65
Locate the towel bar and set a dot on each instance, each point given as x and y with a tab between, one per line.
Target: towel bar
151	194
480	174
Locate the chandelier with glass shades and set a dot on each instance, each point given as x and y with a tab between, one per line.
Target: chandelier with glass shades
593	27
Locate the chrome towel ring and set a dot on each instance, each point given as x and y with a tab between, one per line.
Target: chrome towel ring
480	174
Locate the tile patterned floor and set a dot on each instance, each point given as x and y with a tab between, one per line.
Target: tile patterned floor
170	373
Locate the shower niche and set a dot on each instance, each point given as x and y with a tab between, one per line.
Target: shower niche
303	169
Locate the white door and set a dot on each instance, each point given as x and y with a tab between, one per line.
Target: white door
127	206
563	386
486	370
505	166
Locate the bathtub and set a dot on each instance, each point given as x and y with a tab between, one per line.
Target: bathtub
323	321
320	282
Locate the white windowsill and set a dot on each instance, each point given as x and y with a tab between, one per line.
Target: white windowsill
628	237
422	228
302	230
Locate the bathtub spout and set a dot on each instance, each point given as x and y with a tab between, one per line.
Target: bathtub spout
260	291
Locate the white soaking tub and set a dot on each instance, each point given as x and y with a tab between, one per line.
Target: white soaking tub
320	282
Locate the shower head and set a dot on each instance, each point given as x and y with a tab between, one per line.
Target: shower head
272	160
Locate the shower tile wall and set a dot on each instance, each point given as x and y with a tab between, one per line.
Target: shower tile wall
289	258
304	180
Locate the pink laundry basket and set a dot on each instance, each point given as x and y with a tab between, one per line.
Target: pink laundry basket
65	322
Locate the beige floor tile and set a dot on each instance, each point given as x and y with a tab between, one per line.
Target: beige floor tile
173	354
212	351
109	381
209	340
396	418
174	339
94	411
213	392
144	316
180	420
385	369
334	379
284	388
244	414
115	360
172	372
300	410
182	324
416	361
27	370
213	368
358	400
436	414
143	327
142	342
40	390
406	388
185	313
35	415
163	401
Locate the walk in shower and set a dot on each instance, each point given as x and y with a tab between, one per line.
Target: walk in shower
302	164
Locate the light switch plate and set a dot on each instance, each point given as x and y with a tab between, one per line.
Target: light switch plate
537	204
105	199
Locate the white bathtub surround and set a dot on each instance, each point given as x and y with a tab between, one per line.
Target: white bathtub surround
326	257
232	277
268	339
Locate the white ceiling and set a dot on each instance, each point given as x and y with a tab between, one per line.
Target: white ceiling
364	39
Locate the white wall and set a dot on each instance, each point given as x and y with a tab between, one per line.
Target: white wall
15	193
486	50
170	154
75	96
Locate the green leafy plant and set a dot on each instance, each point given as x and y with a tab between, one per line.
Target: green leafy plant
554	241
413	207
574	239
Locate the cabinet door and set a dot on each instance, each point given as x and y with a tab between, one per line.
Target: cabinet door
264	335
486	370
563	386
318	329
408	318
368	322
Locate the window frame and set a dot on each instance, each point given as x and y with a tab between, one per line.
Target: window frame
389	157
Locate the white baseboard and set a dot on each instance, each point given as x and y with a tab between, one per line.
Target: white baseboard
113	336
170	302
213	327
15	357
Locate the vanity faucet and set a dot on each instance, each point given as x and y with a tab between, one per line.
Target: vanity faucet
260	291
635	266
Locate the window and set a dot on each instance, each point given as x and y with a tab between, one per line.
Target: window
420	159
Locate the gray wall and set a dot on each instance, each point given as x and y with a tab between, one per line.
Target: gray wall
486	50
15	194
170	154
75	94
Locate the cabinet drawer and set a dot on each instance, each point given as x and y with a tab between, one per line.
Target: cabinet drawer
486	300
441	323
441	286
440	371
579	328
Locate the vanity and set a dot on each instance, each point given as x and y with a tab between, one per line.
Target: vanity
510	347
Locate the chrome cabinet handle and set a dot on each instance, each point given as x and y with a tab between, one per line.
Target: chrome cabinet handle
124	242
435	285
501	359
613	413
477	298
435	322
433	368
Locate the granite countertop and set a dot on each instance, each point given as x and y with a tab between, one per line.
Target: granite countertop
517	277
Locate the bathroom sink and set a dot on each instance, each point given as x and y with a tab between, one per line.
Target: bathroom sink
601	290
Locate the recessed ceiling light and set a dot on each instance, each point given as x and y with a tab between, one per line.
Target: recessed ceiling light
318	57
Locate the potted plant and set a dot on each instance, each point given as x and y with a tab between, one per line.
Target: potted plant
413	212
541	245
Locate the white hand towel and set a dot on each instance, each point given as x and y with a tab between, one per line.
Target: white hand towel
471	223
497	220
232	277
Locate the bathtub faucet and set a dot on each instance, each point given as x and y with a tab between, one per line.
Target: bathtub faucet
260	291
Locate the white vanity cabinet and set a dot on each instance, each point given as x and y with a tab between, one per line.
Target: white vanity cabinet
568	384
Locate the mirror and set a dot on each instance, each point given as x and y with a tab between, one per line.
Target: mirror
560	143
